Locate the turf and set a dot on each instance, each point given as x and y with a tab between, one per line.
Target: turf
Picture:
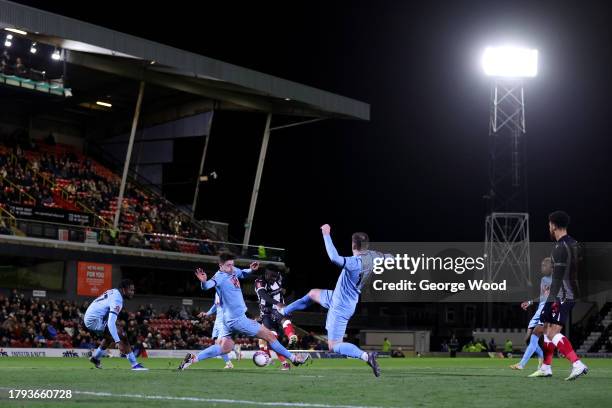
412	382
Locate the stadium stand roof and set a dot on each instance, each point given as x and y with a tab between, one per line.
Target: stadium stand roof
229	86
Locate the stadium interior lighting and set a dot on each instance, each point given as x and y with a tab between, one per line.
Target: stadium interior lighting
56	55
105	104
7	40
512	62
33	48
14	30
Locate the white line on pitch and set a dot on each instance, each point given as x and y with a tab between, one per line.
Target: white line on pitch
220	401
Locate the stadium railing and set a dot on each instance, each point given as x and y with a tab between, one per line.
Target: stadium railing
152	241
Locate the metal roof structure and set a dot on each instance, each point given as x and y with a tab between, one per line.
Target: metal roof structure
230	86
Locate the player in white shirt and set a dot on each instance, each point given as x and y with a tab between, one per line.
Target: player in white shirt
101	319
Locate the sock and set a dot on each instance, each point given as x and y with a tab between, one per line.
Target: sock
98	353
132	358
549	349
263	346
210	352
531	348
299	304
350	350
288	328
546	368
565	347
281	350
225	357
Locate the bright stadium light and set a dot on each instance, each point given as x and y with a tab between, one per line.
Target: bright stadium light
513	62
33	48
14	30
7	40
105	104
56	56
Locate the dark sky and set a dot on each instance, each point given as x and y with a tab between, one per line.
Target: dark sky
417	170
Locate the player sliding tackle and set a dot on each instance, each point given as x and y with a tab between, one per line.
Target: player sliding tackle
227	284
341	302
535	329
101	320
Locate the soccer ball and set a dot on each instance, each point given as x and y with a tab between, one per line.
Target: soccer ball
261	359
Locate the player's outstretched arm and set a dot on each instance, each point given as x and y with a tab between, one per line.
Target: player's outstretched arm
332	252
204	282
212	310
243	273
112	326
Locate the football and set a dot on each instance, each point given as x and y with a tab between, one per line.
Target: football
261	359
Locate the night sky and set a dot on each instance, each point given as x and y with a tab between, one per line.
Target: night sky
418	170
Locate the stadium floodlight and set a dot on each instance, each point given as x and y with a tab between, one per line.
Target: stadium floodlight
14	30
33	48
105	104
512	62
7	40
56	56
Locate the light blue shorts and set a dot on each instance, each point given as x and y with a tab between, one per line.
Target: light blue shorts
336	322
326	297
95	324
241	325
335	325
219	328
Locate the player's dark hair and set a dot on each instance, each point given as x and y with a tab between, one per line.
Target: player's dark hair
272	272
361	241
226	256
559	218
126	283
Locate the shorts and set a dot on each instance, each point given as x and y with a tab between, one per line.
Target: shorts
273	320
326	298
219	327
97	326
557	312
335	325
242	325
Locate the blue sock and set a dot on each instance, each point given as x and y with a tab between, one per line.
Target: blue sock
299	304
210	352
225	357
533	347
349	350
98	353
132	358
280	349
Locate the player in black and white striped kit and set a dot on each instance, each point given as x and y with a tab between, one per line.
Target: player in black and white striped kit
269	289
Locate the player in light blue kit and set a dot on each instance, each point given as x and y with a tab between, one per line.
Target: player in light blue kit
535	329
226	283
218	327
101	320
341	301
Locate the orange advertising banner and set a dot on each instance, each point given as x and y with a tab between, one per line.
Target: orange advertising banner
93	278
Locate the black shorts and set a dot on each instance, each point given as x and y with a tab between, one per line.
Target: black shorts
557	312
273	321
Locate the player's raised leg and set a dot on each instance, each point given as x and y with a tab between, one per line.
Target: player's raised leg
312	297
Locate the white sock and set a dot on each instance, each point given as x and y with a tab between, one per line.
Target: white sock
364	356
546	368
578	364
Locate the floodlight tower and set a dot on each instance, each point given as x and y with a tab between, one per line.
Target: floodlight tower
507	221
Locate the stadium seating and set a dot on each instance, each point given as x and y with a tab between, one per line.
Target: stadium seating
58	323
62	177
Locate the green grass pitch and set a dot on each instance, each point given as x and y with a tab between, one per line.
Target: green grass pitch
411	382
